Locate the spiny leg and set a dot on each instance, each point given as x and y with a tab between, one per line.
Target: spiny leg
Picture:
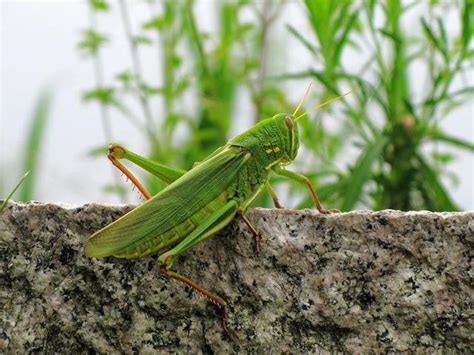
254	231
215	222
305	180
117	152
218	301
162	172
276	202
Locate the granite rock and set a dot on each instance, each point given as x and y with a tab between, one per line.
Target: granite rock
355	282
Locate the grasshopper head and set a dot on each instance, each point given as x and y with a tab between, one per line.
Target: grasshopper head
287	125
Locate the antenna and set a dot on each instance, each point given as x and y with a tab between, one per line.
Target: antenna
303	98
324	103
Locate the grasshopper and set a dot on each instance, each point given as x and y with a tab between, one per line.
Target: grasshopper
198	203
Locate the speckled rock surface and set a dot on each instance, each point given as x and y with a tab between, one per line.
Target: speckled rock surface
350	282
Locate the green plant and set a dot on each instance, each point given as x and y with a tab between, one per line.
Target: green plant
393	131
397	165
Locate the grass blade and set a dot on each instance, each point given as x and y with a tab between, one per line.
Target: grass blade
435	41
445	138
5	203
361	173
442	199
33	143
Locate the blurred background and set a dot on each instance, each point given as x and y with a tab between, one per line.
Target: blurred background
173	80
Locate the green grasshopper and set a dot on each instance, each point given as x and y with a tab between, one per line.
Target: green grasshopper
198	203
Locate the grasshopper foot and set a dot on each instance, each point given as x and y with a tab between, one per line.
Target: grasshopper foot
256	234
329	211
166	261
221	309
258	239
277	203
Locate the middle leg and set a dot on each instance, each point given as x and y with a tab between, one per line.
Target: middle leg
215	222
256	235
301	178
275	199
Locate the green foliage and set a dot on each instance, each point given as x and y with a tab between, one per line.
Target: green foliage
101	94
386	147
218	72
99	5
92	41
397	167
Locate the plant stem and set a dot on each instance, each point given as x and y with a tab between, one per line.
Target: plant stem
104	111
267	18
99	81
137	73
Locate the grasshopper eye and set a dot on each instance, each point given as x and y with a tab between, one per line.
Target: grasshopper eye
289	122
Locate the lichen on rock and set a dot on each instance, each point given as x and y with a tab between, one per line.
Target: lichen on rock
359	281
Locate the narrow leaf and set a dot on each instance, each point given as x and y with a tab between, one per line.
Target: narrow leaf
466	21
446	138
303	40
434	40
343	40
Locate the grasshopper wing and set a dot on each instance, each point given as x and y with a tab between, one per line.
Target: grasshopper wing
171	207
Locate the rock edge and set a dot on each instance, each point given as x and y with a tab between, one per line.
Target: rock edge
358	281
